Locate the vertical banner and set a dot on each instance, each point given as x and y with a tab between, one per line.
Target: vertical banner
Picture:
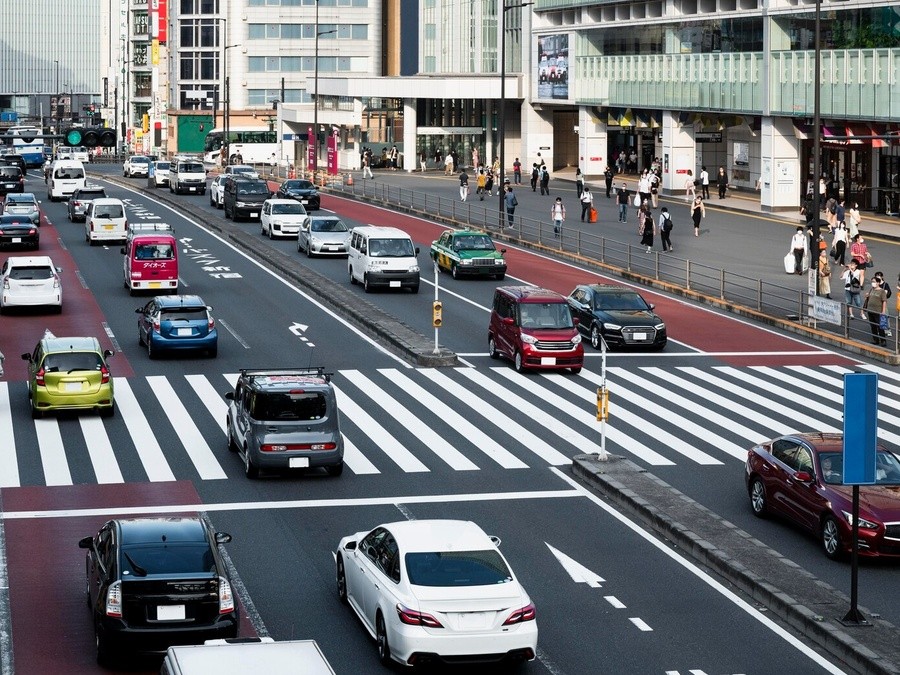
332	153
310	149
162	29
860	427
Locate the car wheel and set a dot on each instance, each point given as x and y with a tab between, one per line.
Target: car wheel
262	228
596	337
212	352
414	289
454	271
36	413
831	538
151	352
140	338
492	348
341	579
576	370
501	277
104	652
352	278
250	469
335	470
517	360
271	232
758	498
232	446
212	202
309	253
381	639
366	285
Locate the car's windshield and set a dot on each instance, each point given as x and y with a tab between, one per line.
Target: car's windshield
391	248
243	169
887	468
328	225
139	160
619	301
545	315
289	209
253	189
191	167
66	362
457	568
172	558
473	242
299	185
164	166
296	406
31	272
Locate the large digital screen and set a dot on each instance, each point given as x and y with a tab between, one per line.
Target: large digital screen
553	66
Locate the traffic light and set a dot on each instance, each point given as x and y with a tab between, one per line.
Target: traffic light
436	315
145	123
89	137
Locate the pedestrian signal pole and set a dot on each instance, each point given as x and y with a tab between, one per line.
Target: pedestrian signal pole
602	402
436	310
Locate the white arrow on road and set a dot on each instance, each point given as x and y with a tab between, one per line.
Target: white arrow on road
579	573
297	328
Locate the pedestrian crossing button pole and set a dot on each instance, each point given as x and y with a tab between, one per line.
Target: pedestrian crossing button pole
602	402
436	311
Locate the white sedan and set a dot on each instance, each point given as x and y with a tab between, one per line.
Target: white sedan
282	218
217	192
436	590
136	165
30	282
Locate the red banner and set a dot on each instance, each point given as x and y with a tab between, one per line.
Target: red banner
310	149
332	153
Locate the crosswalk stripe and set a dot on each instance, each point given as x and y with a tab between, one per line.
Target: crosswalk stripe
357	462
151	455
479	440
533	442
643	423
195	445
9	465
431	439
794	412
393	448
53	453
210	398
589	418
106	468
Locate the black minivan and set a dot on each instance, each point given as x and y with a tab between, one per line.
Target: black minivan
244	197
11	179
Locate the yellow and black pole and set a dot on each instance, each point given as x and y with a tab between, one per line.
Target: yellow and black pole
437	310
602	402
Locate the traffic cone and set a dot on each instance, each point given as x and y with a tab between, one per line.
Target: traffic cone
349	179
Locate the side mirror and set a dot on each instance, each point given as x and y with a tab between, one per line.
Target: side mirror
652	306
417	250
508	321
229	396
108	352
503	250
139	310
26	357
350	546
86	542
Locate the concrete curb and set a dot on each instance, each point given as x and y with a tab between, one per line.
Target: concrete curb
803	601
399	337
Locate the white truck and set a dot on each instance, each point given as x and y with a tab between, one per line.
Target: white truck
247	656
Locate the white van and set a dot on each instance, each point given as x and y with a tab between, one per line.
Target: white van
66	176
105	220
247	656
383	257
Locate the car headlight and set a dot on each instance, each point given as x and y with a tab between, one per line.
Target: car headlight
499	261
243	205
612	326
863	523
576	340
660	326
465	262
413	269
528	339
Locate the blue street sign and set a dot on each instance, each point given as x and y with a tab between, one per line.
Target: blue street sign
860	427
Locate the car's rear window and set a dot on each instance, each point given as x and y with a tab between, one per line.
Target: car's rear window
294	406
30	272
10	171
181	558
69	173
457	568
91	194
183	314
109	211
67	362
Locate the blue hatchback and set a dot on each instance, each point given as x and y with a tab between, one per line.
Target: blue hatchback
170	322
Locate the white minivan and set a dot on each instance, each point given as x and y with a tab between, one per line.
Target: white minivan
105	220
383	257
66	176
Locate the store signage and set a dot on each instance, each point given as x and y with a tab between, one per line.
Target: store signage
708	136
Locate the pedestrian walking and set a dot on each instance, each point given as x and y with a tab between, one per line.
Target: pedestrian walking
367	166
644	187
579	183
476	162
622	198
654	189
704	182
558	216
495	173
698	212
875	306
489	183
448	164
480	182
423	160
808	210
587	200
852	289
535	176
545	180
853	220
799	248
510	201
722	182
463	185
859	251
608	177
394	157
824	278
690	186
839	244
517	172
647	229
665	229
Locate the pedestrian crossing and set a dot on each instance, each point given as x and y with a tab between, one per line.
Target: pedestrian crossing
439	421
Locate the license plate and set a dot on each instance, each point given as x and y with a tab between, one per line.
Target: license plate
184	331
298	462
193	189
639	336
254	214
333	248
395	284
170	613
475	620
154	284
108	227
17	240
72	386
548	360
304	201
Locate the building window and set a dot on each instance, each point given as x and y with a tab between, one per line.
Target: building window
264	97
143	87
199	33
139	55
199	7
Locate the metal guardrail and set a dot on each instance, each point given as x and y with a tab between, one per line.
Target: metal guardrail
781	304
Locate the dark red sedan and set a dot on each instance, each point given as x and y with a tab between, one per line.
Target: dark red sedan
800	477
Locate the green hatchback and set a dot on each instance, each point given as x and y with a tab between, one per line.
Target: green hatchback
468	252
69	373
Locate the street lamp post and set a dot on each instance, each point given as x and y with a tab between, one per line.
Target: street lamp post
226	110
501	122
817	148
315	139
56	112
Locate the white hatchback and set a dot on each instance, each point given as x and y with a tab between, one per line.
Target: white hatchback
30	281
436	590
282	218
136	165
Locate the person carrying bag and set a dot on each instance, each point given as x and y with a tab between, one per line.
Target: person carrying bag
587	201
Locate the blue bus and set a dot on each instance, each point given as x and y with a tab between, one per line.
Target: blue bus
32	152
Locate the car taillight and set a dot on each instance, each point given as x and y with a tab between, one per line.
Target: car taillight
6	283
55	281
226	597
413	618
76	203
525	613
293	447
104	374
210	323
114	600
156	324
39	378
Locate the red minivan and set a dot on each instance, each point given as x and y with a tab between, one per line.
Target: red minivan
535	329
151	259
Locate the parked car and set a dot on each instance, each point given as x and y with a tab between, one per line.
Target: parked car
78	203
324	235
156	582
217	191
136	165
23	204
617	314
160	174
11	179
285	419
436	591
19	230
800	477
281	218
468	252
303	191
177	323
30	281
69	373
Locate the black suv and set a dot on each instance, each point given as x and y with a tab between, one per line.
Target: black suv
303	191
80	201
157	582
11	179
243	197
13	159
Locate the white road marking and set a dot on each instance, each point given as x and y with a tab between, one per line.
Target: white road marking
53	454
106	468
237	337
579	573
614	601
151	455
358	462
640	623
211	399
9	464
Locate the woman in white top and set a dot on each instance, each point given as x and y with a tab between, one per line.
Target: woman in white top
690	188
839	243
854	219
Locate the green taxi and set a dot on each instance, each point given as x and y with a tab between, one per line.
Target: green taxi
69	373
468	252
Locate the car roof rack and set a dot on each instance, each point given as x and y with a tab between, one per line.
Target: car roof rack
146	228
318	371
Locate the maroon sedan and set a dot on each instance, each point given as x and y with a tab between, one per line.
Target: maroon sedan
800	477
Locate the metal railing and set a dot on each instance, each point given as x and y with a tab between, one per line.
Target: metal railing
779	304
